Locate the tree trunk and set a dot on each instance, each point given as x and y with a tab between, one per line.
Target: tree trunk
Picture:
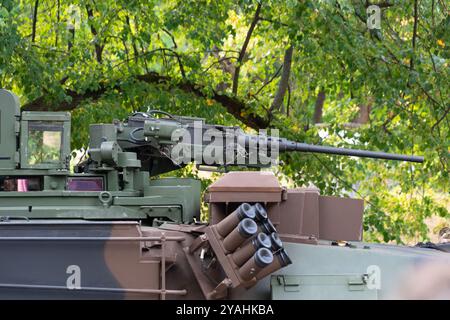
364	114
284	81
318	109
244	48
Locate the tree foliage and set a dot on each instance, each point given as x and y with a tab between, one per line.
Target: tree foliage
310	68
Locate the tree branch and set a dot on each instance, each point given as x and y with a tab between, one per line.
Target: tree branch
133	41
244	49
274	22
222	62
171	37
180	64
97	45
71	40
233	105
318	108
364	113
414	37
440	119
288	103
35	12
58	10
268	81
284	81
225	62
383	4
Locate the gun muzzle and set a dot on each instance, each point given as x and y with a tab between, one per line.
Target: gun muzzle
287	145
241	255
280	260
244	230
262	258
261	213
244	211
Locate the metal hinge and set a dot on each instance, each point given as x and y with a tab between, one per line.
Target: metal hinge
17	127
357	283
290	284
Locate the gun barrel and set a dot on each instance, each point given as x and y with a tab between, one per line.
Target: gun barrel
303	147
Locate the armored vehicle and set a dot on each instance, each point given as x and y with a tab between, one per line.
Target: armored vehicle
109	228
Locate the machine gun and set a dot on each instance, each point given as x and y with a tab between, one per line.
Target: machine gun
113	183
168	143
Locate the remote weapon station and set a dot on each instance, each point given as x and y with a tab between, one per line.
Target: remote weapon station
106	229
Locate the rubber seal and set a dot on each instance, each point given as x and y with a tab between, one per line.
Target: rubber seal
246	211
276	241
263	257
261	213
262	240
247	227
